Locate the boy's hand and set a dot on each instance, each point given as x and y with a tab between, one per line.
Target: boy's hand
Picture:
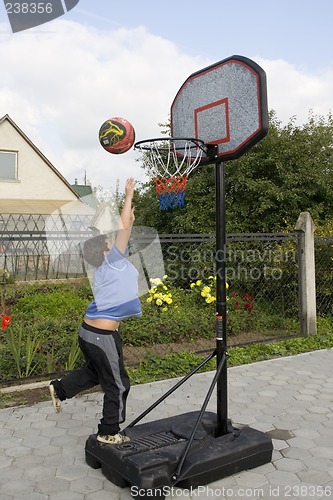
129	187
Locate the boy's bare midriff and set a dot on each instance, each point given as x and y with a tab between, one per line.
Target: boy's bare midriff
103	324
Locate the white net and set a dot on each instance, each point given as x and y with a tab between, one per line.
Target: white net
169	157
169	162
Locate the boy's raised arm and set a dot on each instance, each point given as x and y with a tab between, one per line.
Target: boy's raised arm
126	219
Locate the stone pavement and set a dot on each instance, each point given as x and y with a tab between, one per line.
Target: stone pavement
42	453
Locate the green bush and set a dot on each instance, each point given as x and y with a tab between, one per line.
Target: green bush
42	336
183	321
44	327
54	304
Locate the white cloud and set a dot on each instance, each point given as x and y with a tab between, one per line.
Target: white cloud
292	91
65	84
61	86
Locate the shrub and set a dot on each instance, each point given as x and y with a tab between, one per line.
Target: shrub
40	338
56	304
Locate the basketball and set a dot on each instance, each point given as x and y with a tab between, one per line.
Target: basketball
116	135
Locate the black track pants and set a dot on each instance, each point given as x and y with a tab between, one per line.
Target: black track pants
102	350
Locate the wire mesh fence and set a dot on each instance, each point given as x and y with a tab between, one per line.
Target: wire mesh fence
41	247
260	268
261	275
324	275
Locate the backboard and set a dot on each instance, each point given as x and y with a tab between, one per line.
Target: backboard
224	104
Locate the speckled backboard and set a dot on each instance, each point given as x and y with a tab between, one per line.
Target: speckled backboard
224	104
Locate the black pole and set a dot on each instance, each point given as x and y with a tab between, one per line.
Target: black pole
170	391
221	302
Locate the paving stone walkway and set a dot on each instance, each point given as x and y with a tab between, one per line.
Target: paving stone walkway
42	453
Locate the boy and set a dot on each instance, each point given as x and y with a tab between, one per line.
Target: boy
116	298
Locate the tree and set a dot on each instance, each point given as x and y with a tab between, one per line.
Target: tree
288	172
111	196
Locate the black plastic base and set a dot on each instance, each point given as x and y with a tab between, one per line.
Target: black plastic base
150	460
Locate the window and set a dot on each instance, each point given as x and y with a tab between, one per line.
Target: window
8	165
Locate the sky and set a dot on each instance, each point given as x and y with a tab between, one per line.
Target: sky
60	81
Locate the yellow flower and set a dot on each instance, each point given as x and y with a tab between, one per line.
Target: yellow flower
155	281
164	309
198	283
150	299
165	277
168	300
159	302
205	291
192	285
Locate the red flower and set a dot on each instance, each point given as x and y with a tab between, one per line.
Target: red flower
5	321
248	306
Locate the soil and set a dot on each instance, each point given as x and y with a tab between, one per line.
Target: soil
29	397
134	354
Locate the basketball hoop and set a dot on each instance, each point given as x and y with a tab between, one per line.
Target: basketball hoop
169	161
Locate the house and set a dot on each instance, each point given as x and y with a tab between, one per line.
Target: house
29	183
86	193
42	216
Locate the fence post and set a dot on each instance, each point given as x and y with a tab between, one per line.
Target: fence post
306	274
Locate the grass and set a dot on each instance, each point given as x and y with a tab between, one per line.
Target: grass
154	368
12	399
42	337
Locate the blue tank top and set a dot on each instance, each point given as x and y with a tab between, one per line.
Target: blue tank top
115	289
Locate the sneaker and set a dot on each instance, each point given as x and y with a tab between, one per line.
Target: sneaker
116	439
55	400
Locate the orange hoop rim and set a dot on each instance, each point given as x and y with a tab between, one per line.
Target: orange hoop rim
193	143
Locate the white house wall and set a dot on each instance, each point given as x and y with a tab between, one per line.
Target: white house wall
36	179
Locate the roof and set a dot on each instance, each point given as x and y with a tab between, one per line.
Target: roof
85	192
82	189
42	207
32	145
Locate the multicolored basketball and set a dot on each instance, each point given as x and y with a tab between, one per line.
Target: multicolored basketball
117	135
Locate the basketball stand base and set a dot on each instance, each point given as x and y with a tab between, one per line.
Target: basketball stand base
149	461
